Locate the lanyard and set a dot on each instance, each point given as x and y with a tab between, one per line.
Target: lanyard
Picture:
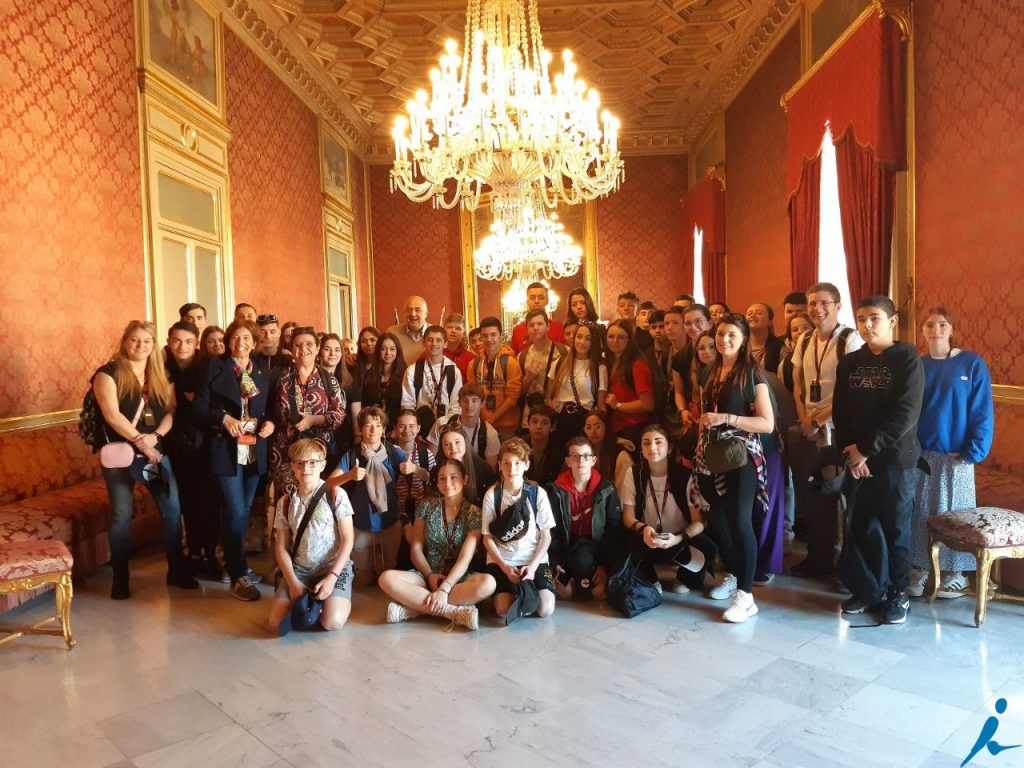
818	361
658	508
449	533
436	399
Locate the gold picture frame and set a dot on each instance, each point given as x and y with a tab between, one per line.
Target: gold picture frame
335	167
182	47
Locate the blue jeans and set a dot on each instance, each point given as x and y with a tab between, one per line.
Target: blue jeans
237	492
120	485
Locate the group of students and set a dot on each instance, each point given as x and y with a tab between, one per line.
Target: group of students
452	467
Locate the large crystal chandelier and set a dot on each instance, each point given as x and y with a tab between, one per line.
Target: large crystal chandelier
498	119
529	245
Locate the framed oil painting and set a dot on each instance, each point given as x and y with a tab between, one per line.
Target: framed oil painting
183	44
334	166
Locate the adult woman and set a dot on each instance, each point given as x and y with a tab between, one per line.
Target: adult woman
331	354
349	349
735	384
662	526
765	346
233	405
211	343
286	335
309	403
382	383
614	457
136	403
580	383
630	395
479	475
799	324
955	430
445	538
366	344
581	307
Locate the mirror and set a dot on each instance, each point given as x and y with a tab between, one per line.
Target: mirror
484	297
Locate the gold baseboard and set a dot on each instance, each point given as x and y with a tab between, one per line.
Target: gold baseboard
37	421
1008	393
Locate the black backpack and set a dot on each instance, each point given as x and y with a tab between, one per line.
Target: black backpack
417	378
90	420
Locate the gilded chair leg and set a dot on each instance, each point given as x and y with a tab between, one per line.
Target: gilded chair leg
984	558
933	577
64	593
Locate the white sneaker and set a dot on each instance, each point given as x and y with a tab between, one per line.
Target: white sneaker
466	616
657	586
917	582
399	613
742	608
951	585
679	588
725	589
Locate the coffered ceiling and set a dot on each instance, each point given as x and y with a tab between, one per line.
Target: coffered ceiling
663	67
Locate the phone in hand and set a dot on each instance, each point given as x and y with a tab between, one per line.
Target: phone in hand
664	536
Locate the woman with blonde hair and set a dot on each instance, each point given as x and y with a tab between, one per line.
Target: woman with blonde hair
580	382
136	404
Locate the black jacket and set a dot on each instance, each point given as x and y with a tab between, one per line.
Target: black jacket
219	396
606	523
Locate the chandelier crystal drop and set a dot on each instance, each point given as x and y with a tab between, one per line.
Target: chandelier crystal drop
497	118
534	245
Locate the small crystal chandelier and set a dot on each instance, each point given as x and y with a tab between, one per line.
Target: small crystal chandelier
498	119
532	244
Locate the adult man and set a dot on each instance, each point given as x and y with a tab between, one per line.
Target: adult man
877	401
431	385
193	313
793	304
410	335
456	349
626	305
497	371
588	537
184	447
245	311
815	359
537	361
481	437
536	298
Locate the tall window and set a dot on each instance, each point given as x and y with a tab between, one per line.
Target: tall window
698	265
831	253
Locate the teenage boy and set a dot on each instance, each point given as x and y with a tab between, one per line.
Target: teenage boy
369	472
626	305
794	304
497	371
642	337
536	298
683	300
546	460
431	385
588	536
318	560
411	487
682	329
876	404
457	345
537	361
480	436
245	311
516	523
193	313
816	357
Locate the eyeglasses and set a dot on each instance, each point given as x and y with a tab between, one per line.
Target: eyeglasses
308	463
819	304
266	319
578	457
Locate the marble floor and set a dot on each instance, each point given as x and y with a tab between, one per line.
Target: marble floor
188	679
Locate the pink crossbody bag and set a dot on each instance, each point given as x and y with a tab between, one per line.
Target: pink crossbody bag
120	454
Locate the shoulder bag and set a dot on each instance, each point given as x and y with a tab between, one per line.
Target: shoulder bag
120	454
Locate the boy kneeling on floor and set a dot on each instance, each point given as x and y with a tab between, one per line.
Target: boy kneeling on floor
516	525
313	547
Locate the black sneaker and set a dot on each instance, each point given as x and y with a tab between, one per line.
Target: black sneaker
897	608
808	569
853	606
763	579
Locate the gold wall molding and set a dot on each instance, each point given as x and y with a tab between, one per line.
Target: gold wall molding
281	48
38	421
1010	394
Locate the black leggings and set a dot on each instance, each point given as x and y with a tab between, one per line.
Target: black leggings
731	521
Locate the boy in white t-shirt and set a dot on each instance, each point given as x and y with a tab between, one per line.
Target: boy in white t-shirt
516	523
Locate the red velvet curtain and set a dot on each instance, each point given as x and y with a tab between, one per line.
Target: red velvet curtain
713	272
704	207
804	217
867	192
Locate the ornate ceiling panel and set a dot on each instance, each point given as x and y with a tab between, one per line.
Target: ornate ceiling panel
661	66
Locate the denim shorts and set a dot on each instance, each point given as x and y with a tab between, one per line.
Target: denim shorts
342	588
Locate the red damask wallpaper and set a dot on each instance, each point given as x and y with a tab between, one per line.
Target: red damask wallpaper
970	151
70	218
640	239
276	219
416	250
756	217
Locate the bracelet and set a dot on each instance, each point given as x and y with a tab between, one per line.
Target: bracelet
335	575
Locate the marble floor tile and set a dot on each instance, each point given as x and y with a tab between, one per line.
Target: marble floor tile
229	746
165	722
846	656
827	742
902	715
79	747
812	688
